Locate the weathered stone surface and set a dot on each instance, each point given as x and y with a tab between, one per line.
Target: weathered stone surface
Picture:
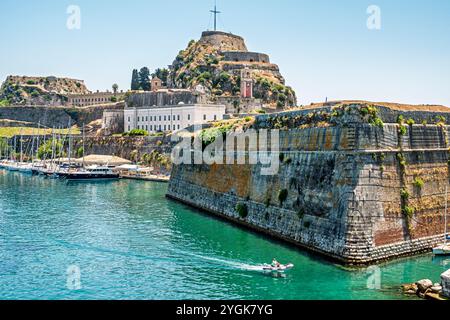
410	289
436	289
344	186
56	116
424	285
445	281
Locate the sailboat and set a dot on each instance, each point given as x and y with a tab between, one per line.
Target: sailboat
444	249
90	173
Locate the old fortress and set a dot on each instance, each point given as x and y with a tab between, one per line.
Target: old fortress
165	108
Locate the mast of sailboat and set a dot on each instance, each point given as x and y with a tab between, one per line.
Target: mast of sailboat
32	147
38	141
53	148
21	148
70	143
83	145
14	155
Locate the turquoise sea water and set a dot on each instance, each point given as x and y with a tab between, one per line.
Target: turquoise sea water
130	242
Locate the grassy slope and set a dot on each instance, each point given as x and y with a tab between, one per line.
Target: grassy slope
9	132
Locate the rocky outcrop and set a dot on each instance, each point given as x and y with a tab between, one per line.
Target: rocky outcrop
216	62
425	288
48	91
424	285
445	281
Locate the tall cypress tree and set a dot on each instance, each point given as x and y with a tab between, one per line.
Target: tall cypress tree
144	79
135	80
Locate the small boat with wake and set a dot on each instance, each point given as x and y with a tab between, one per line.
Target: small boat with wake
277	267
280	268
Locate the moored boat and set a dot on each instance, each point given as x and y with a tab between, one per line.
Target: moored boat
92	173
26	168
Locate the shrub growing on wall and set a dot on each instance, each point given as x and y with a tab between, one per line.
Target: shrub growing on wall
282	196
136	133
418	183
242	210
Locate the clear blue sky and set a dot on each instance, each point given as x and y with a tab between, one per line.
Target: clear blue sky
323	47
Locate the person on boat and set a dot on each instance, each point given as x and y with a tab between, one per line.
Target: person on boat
275	263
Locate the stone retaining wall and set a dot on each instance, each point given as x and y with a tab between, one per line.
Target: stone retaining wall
345	191
56	116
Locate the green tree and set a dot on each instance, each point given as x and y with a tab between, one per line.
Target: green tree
144	79
45	150
4	148
115	88
162	74
135	80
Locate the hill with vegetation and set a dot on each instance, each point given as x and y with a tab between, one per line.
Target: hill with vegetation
203	63
22	90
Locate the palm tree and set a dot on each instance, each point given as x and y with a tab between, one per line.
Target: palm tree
115	88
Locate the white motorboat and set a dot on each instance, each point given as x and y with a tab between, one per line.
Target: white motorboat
279	268
12	166
26	168
92	173
442	250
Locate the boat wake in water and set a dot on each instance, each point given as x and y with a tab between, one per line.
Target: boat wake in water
245	266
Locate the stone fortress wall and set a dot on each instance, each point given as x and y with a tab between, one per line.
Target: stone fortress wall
56	116
237	56
224	41
345	187
164	97
113	121
89	99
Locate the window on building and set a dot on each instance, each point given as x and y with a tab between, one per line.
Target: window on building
146	119
151	128
178	127
178	117
189	117
138	119
146	127
160	118
160	127
129	128
129	119
165	127
215	117
174	127
165	118
204	117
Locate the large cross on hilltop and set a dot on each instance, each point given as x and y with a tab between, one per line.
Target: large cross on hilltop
215	15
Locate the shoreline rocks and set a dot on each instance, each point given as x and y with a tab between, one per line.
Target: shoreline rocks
445	281
426	289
